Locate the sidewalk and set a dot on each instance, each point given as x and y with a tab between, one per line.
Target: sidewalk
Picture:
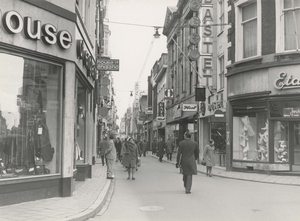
88	199
247	176
91	196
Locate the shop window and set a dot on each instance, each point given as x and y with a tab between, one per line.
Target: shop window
250	137
218	134
80	142
30	117
281	141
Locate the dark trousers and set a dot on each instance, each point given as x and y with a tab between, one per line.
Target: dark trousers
102	160
160	157
187	181
169	156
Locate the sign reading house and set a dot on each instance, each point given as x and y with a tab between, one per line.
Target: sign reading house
14	23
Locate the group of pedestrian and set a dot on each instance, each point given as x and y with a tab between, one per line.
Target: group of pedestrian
129	153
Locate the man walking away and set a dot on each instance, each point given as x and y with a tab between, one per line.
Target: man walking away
118	145
188	151
170	148
144	145
161	149
154	146
110	156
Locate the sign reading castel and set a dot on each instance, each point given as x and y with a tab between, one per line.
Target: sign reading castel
14	23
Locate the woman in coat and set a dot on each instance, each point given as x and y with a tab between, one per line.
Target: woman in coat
130	157
209	157
187	155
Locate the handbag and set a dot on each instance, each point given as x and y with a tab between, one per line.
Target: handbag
203	162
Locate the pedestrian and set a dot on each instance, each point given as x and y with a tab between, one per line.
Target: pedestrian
161	149
118	145
209	157
103	147
144	147
130	158
188	152
154	146
169	148
110	157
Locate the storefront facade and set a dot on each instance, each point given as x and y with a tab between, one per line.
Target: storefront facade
41	76
264	117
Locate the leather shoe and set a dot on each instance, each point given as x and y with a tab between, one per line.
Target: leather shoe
109	178
187	191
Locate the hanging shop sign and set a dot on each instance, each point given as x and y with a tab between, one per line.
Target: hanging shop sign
194	38
194	55
202	108
214	106
149	111
161	109
285	81
14	23
160	119
107	64
169	94
189	107
195	5
194	22
177	111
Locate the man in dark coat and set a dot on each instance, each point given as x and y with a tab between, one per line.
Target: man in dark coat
161	146
144	147
188	153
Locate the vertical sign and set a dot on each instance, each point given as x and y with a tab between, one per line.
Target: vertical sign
136	95
206	41
161	109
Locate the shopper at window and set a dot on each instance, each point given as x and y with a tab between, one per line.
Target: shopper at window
110	157
209	157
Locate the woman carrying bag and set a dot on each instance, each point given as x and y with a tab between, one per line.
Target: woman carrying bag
209	157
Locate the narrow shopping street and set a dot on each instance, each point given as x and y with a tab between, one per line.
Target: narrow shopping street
158	194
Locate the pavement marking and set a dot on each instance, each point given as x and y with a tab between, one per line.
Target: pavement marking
152	208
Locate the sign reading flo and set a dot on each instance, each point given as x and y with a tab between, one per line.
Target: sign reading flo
107	64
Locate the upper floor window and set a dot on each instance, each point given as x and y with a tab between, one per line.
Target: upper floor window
221	13
249	23
248	18
291	13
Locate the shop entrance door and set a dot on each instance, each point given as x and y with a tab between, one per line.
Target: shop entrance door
295	146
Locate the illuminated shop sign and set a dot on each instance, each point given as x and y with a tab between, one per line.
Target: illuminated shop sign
286	81
14	23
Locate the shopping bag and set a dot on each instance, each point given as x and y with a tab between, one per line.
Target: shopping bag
203	162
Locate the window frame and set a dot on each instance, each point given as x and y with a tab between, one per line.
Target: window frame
239	28
280	35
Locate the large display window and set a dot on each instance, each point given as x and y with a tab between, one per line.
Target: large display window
251	133
30	117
